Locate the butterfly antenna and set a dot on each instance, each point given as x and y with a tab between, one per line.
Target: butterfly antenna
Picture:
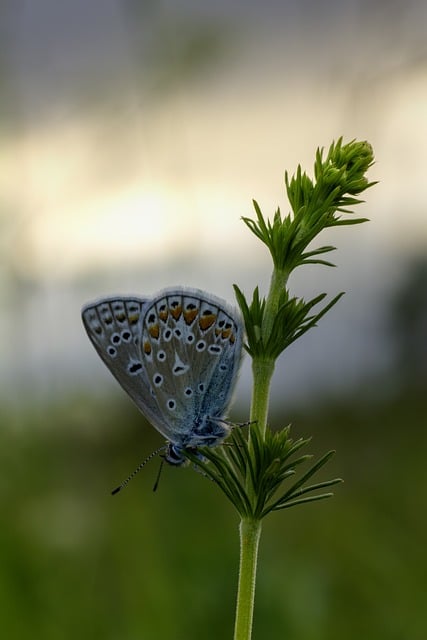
138	469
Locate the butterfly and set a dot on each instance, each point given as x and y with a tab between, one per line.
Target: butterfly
177	355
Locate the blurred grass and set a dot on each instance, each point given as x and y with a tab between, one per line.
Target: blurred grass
77	562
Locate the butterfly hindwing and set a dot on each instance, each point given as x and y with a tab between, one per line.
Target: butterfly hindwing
191	349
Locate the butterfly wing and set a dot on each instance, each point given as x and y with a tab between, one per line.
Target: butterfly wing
114	326
191	345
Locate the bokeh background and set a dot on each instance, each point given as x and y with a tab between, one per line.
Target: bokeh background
134	135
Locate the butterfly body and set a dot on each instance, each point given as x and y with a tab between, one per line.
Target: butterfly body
177	355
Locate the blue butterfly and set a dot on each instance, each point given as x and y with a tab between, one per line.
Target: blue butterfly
177	355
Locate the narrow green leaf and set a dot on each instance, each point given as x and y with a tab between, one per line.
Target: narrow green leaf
322	496
342	223
320	463
318	251
305	490
325	263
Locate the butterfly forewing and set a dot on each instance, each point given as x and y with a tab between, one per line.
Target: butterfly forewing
114	327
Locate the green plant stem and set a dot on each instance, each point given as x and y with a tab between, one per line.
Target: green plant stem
250	531
279	279
263	368
262	371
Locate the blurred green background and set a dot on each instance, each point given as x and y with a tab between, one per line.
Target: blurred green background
134	135
76	561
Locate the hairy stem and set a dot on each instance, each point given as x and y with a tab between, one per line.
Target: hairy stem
262	371
250	531
279	279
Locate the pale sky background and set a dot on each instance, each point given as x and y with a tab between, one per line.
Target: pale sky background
134	136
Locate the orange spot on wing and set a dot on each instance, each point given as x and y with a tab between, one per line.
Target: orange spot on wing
190	314
154	331
176	311
133	319
163	315
207	321
147	348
